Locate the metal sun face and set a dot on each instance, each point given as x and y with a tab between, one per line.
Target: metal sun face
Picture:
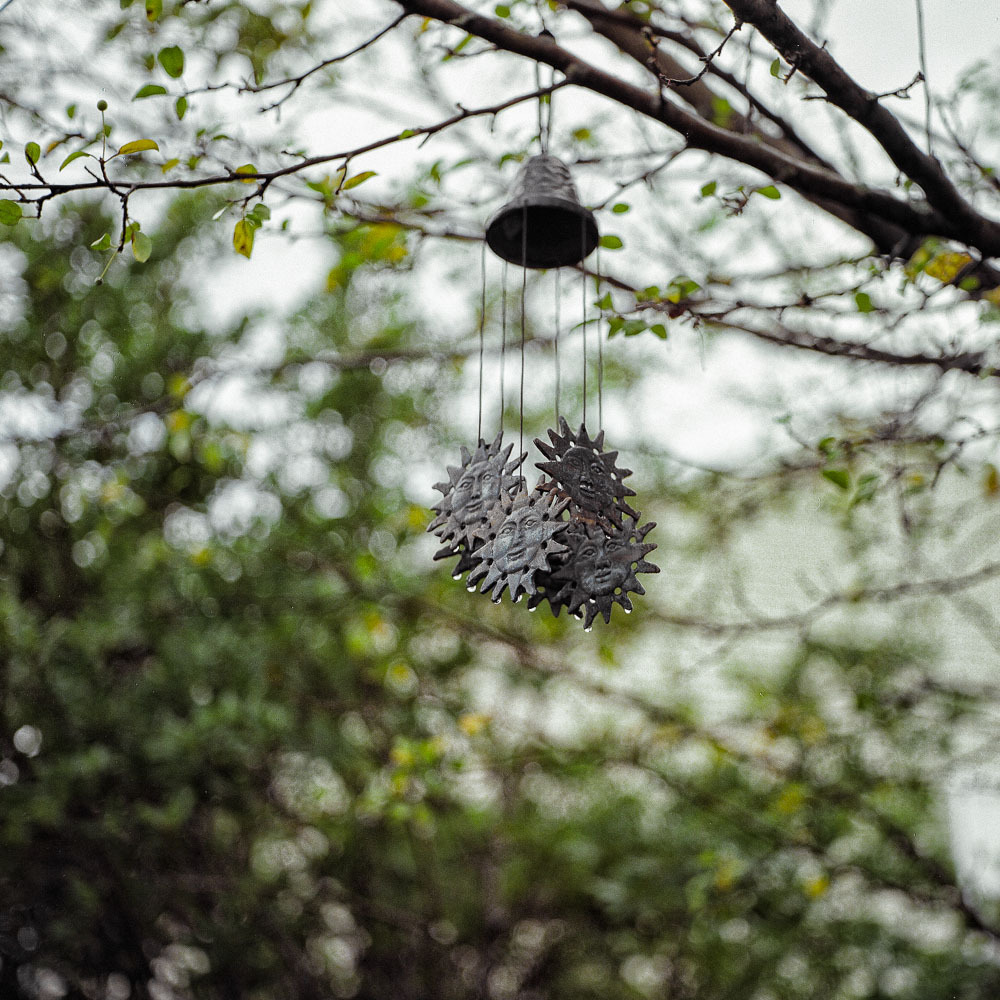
600	569
586	474
519	540
484	477
603	565
586	479
476	491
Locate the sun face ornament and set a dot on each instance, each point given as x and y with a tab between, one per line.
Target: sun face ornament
600	569
473	488
587	474
519	541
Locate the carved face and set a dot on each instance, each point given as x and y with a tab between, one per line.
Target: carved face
519	539
476	491
602	565
585	478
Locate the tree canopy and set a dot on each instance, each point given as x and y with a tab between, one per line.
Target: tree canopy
255	742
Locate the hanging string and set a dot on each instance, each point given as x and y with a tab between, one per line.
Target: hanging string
482	328
583	302
503	341
558	271
544	114
524	289
600	346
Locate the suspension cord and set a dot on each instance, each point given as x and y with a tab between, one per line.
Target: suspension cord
583	302
482	329
503	341
558	271
600	347
524	289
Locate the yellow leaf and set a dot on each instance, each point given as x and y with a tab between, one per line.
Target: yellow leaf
945	266
170	164
815	887
179	420
243	238
358	179
791	799
473	722
137	146
247	168
991	482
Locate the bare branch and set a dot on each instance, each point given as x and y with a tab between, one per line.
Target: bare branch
863	106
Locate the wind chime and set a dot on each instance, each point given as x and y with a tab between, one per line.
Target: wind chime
572	539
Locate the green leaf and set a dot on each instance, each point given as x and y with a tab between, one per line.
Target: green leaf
261	212
407	133
358	179
769	192
154	8
10	212
243	238
501	10
32	151
621	208
172	60
142	247
70	111
150	90
104	243
73	156
681	288
707	190
611	242
660	330
866	489
137	146
839	477
776	68
863	301
180	107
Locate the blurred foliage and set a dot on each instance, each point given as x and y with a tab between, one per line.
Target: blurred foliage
243	749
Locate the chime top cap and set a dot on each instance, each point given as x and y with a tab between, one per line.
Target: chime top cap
543	224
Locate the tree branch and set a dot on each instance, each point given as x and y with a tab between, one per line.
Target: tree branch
863	106
812	181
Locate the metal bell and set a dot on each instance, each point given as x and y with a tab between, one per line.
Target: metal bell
543	224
